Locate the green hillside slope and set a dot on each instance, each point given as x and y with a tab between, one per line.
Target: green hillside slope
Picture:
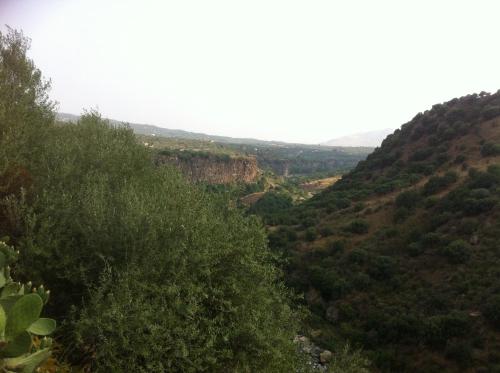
402	255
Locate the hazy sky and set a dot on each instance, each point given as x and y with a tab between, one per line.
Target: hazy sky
301	71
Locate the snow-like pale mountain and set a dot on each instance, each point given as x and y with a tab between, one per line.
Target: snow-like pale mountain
371	138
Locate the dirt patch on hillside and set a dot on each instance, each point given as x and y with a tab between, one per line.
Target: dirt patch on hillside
320	184
250	199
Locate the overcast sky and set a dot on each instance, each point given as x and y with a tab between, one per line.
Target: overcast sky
301	71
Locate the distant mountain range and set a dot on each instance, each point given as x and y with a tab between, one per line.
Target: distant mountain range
366	139
151	130
370	139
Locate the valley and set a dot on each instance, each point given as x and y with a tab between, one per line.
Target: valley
128	247
398	255
247	167
395	250
283	159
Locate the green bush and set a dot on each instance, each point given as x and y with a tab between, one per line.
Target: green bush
270	203
491	310
193	286
491	111
459	351
415	249
135	324
383	267
408	199
326	231
460	159
342	203
282	237
358	226
336	247
421	154
361	281
488	180
478	206
490	150
438	183
347	361
358	256
329	282
432	239
359	207
310	234
457	252
401	214
439	329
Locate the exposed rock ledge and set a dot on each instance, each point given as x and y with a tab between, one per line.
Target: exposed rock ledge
213	169
316	358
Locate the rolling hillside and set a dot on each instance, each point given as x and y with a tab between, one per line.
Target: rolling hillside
283	159
402	256
152	130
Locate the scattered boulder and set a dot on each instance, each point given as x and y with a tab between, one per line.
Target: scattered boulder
325	357
474	240
316	333
332	313
312	354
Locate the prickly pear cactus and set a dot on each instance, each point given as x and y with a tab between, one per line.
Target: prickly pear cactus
20	309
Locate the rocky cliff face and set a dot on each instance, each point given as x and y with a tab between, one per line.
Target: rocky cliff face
213	169
280	167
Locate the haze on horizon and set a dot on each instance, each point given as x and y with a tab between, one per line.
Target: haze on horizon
297	71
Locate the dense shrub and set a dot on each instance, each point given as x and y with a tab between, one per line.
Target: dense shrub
408	199
357	226
421	154
310	234
326	231
358	256
460	159
159	275
186	270
272	202
491	111
26	110
459	351
308	222
383	267
438	183
457	251
328	282
431	239
416	248
401	214
439	329
478	206
166	326
335	247
361	281
490	150
348	361
491	310
282	237
342	203
486	180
